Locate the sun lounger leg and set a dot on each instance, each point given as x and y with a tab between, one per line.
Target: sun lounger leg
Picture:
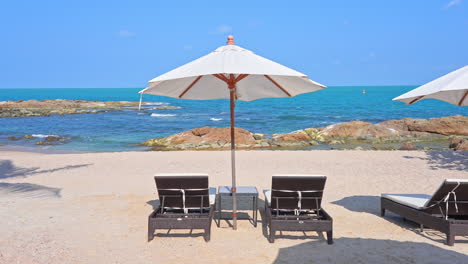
421	227
450	239
150	231
207	234
382	212
330	237
271	237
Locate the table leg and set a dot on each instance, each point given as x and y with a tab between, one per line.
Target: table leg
219	210
256	210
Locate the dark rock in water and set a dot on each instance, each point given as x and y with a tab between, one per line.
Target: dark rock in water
14	138
28	136
44	143
408	146
463	145
52	138
454	142
459	143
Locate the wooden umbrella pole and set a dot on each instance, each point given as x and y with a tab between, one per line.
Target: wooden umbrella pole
232	92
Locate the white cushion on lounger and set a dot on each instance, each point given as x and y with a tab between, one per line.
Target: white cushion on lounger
416	201
267	194
212	195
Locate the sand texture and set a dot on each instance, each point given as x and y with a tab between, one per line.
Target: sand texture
93	207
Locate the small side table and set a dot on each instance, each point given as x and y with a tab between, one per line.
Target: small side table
242	191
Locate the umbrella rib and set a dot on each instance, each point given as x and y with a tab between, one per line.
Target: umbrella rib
240	77
221	77
190	86
463	98
415	100
277	85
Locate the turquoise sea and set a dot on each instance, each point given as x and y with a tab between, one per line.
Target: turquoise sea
121	130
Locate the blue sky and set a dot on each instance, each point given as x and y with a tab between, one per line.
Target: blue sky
62	44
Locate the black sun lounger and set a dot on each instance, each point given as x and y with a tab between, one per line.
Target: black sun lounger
186	202
445	211
294	204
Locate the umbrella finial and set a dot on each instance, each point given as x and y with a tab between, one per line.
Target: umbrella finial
230	40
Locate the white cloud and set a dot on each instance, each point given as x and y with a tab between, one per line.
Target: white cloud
126	34
453	3
223	29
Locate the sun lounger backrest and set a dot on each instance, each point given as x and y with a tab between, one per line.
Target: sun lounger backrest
173	187
291	192
455	192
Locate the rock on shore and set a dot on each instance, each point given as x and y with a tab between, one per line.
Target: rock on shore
401	133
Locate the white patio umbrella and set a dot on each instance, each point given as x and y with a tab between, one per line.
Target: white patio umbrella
231	72
451	88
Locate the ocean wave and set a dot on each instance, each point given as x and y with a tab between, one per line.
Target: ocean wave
43	136
155	103
162	115
216	119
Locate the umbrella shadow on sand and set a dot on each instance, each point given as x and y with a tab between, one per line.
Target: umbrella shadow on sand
358	250
28	190
371	205
9	170
448	160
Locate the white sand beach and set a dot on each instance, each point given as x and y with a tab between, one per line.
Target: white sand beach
93	207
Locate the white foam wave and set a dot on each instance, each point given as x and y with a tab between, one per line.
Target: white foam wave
162	115
156	103
216	119
43	136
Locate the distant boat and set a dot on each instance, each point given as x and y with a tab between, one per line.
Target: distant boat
363	91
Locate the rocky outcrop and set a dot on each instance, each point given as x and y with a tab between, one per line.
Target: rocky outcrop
203	138
397	129
210	138
64	107
393	134
294	139
357	130
450	125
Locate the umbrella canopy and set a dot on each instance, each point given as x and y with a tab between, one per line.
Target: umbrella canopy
231	72
451	88
255	76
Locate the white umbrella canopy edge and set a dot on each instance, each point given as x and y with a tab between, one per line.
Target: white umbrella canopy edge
451	88
249	88
235	73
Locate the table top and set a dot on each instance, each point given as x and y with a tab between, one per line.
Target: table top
241	190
